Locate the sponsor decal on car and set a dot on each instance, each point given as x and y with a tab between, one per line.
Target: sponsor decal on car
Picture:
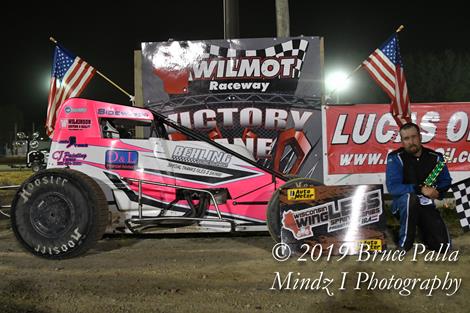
122	113
201	156
68	158
72	142
74	110
121	159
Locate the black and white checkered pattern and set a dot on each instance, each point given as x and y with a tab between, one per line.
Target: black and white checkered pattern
294	47
461	191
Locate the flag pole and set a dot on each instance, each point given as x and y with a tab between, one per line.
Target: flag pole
131	97
399	29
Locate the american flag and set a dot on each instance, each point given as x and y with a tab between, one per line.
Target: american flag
386	68
70	75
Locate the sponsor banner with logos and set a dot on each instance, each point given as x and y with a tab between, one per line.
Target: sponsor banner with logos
332	218
264	94
357	139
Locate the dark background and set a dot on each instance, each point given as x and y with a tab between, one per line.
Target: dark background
434	44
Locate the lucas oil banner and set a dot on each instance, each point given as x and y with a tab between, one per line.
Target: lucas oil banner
264	94
359	137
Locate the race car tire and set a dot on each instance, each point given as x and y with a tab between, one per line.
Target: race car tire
59	213
273	216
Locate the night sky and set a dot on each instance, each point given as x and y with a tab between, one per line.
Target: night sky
106	37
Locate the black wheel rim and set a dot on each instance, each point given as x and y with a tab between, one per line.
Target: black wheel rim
52	215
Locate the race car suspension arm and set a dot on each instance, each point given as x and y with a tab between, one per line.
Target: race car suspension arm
147	220
13	187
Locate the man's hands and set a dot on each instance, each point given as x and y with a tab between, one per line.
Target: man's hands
430	192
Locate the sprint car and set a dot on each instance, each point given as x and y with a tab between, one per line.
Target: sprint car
115	169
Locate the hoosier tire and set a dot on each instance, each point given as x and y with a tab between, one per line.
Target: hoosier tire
59	213
273	215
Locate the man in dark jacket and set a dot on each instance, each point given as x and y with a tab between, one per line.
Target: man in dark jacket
407	169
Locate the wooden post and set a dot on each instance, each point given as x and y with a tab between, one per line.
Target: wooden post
322	70
138	100
282	18
231	20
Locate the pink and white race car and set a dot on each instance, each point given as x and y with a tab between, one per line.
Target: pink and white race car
114	169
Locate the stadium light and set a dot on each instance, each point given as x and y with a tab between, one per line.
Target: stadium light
44	80
337	82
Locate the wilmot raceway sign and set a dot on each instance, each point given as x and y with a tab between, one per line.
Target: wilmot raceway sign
357	139
263	93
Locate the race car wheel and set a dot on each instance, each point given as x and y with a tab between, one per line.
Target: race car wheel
59	213
273	212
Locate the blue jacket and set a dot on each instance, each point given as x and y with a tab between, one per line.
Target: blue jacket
406	173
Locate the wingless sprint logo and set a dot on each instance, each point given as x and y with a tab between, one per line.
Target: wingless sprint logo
301	223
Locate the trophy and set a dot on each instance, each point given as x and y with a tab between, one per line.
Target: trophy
431	179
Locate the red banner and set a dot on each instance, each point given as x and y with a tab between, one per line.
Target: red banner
359	137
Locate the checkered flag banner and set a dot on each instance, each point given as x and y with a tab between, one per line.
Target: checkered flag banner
461	192
294	47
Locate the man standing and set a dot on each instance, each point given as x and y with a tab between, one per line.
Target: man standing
407	169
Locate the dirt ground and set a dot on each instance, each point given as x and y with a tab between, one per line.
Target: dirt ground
223	273
212	274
